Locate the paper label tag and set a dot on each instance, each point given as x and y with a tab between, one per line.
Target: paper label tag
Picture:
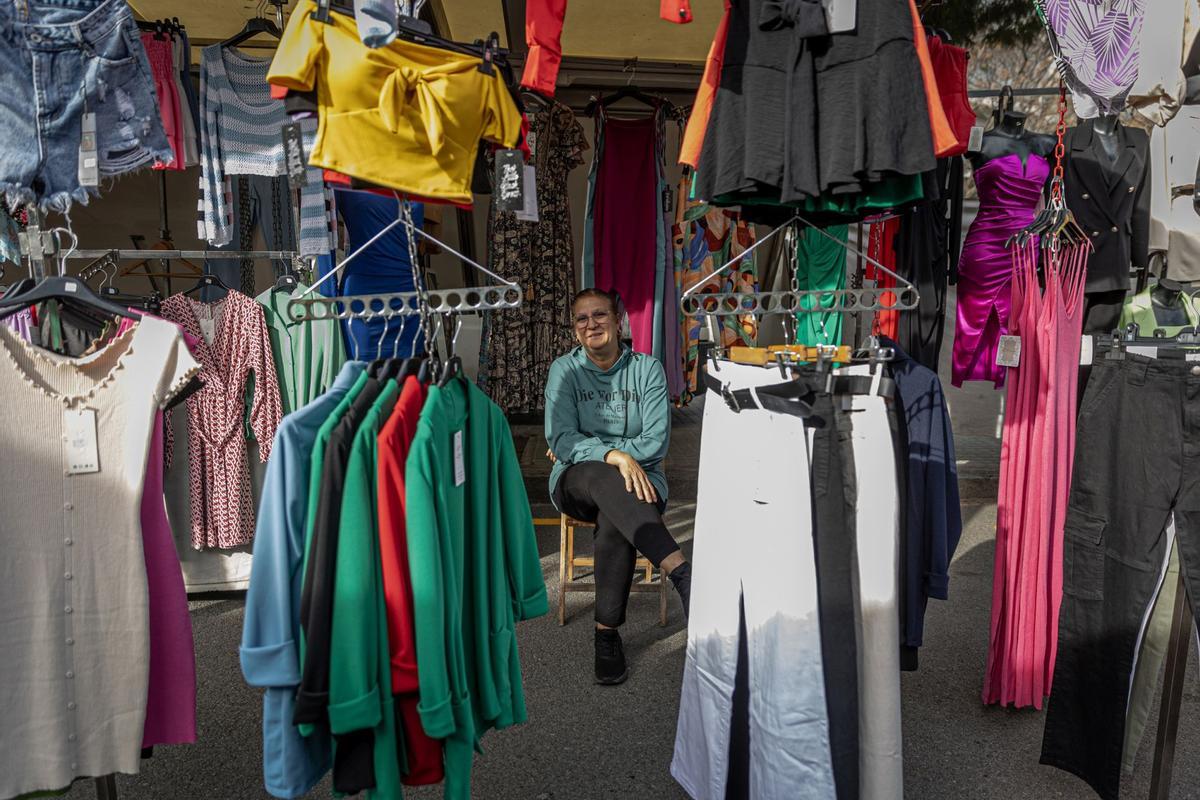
510	184
529	212
89	161
841	15
1086	351
1008	353
460	468
668	200
79	448
975	141
293	154
208	329
531	140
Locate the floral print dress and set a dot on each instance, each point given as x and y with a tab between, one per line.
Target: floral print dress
520	344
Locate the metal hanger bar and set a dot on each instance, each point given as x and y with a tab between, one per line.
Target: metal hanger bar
407	304
814	301
1040	91
190	255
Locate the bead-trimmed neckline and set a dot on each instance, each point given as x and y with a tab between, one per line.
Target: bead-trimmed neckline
37	379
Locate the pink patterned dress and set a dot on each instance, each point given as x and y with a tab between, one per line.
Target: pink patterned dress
234	343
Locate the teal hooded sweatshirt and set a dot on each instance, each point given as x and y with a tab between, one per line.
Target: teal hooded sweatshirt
590	411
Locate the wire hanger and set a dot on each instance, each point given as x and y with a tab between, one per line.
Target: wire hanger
404	217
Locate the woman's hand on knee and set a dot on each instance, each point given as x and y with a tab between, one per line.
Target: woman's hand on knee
636	480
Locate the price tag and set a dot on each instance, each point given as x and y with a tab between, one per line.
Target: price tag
1008	353
975	141
460	468
529	212
841	15
1086	351
510	180
89	161
79	445
293	154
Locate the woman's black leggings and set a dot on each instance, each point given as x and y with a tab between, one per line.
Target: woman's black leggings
594	491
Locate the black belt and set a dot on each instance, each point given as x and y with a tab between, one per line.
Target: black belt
796	397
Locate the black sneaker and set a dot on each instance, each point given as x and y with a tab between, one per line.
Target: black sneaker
682	578
610	658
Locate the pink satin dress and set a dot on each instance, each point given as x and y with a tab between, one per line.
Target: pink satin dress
1009	193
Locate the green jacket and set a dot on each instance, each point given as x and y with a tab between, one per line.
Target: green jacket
590	411
360	670
475	571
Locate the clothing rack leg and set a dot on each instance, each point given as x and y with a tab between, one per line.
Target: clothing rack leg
1172	696
164	226
106	788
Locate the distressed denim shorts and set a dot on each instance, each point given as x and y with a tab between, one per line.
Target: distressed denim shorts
58	60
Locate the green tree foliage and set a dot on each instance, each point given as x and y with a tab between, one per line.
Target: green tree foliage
1007	23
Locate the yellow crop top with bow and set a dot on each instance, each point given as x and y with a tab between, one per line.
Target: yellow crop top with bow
406	116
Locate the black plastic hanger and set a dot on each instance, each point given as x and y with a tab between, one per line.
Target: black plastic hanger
207	280
632	92
64	289
452	370
286	282
254	26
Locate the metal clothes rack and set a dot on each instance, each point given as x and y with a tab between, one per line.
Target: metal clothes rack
406	304
903	296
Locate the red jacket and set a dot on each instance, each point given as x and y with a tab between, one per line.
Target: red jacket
424	754
543	35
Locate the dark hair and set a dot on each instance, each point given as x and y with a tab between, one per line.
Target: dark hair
614	299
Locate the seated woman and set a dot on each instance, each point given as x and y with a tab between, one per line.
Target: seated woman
608	423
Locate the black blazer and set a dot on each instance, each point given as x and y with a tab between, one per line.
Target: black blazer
1111	202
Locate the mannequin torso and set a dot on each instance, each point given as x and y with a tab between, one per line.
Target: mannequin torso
1010	137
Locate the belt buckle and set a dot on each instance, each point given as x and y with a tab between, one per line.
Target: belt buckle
729	398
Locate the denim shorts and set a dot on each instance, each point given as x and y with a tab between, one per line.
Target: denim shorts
58	60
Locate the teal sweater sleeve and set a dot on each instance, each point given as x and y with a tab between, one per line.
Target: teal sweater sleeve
650	446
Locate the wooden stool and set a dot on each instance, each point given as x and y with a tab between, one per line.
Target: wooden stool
568	561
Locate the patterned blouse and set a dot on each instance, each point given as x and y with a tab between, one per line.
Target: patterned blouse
1100	42
233	344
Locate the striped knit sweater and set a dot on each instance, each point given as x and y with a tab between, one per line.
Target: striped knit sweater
242	135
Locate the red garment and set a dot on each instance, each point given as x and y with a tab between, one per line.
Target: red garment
950	68
543	35
159	53
697	124
424	754
626	214
944	140
881	246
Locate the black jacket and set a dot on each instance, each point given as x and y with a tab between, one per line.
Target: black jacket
1111	202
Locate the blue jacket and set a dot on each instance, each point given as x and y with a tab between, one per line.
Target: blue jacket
292	764
933	516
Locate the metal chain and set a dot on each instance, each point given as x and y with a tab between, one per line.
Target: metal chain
1060	150
418	284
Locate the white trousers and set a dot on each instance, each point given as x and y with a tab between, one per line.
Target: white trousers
753	541
881	769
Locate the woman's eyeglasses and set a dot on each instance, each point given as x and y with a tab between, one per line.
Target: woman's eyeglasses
598	317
